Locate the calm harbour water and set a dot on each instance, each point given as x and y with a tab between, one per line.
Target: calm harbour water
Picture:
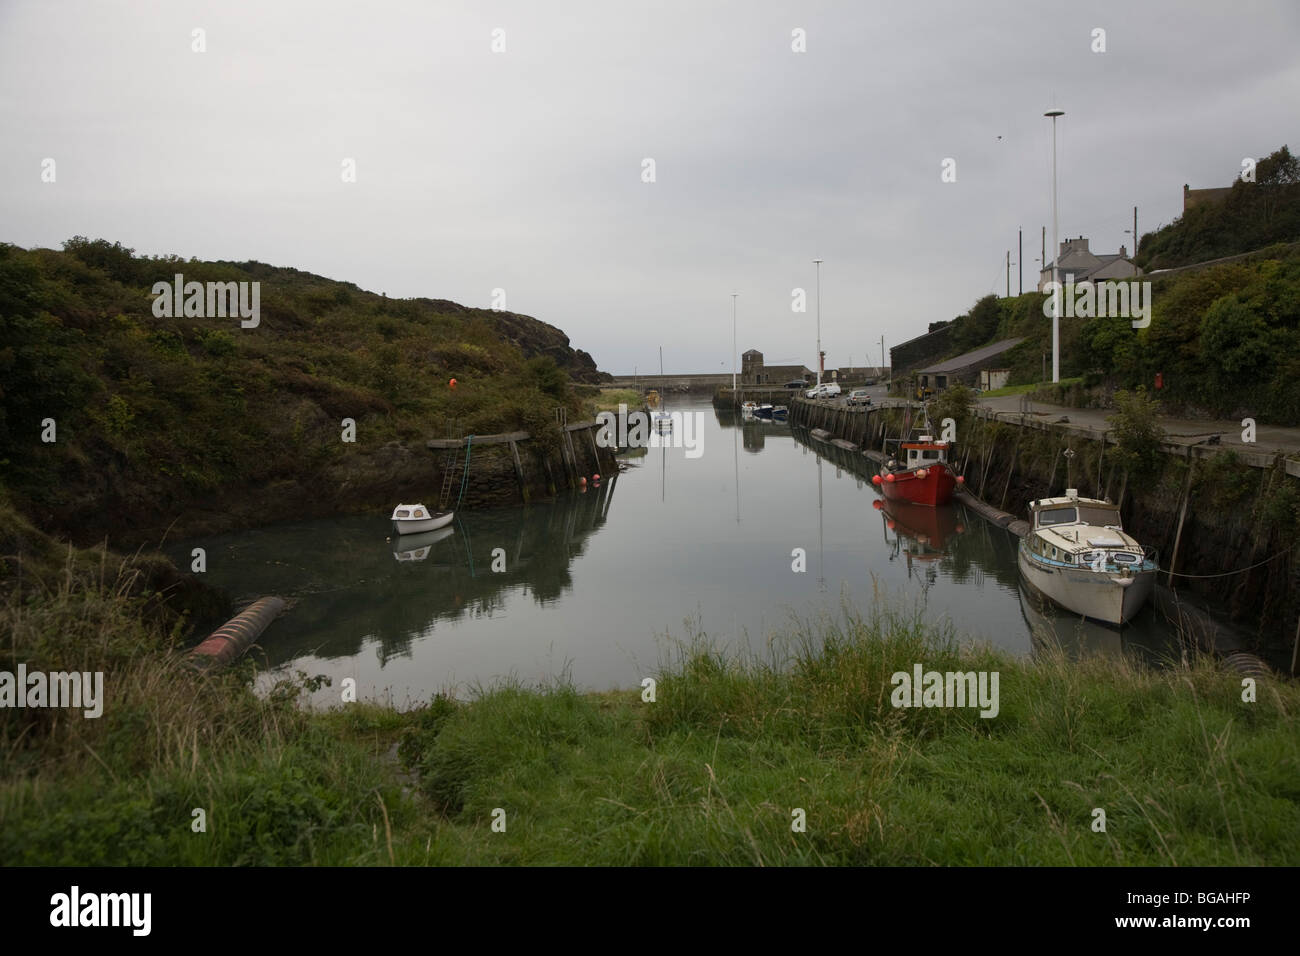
600	584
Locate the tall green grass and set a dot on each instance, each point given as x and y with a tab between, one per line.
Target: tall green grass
712	772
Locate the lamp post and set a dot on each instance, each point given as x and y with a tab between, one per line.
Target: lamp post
1056	257
733	346
819	321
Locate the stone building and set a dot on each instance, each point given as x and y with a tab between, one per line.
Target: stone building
753	371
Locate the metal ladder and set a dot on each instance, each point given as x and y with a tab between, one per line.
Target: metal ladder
449	463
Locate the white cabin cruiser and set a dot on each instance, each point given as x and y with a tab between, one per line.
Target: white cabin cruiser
1077	555
414	519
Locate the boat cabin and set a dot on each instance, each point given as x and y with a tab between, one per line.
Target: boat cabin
410	511
923	452
1070	510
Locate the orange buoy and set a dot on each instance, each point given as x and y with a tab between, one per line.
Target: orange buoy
876	504
595	477
889	477
875	479
961	480
452	383
921	472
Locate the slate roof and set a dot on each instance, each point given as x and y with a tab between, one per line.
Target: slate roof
957	363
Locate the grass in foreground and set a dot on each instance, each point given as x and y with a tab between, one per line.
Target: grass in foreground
710	773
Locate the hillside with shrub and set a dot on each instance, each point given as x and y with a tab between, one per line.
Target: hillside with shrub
1251	216
1225	338
206	424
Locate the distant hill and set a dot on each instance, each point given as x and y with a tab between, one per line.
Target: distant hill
159	414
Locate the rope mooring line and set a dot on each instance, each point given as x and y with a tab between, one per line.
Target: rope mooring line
1224	574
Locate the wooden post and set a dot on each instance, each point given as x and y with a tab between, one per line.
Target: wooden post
988	460
1182	513
519	471
1007	484
595	453
550	478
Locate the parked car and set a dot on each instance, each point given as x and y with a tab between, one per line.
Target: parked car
870	381
859	396
814	392
830	389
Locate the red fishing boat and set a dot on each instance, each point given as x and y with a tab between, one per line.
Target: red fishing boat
920	474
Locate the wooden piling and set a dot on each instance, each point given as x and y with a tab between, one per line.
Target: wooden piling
1010	470
1182	514
519	471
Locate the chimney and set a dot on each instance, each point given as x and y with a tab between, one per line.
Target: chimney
1122	253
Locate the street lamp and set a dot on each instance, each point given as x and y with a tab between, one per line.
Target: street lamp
819	321
733	345
1056	259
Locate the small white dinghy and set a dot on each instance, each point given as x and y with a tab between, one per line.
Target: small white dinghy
414	519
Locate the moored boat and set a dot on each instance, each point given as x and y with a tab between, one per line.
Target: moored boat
414	519
763	411
1078	555
780	413
921	474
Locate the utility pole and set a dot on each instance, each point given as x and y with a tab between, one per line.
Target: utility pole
819	322
1020	257
882	355
1008	273
1135	231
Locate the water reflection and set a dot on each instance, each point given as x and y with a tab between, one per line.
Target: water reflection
350	586
574	585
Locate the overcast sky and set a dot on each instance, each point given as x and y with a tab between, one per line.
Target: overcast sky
522	170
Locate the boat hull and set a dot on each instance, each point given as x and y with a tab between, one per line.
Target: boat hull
1098	595
934	489
435	521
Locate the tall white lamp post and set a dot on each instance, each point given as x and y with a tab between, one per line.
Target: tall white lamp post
819	321
1056	257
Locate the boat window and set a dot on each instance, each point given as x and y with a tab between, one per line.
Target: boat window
1053	552
404	513
419	512
932	454
1099	516
1123	557
1056	516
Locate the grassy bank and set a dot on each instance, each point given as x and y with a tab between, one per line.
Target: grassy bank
610	398
709	773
